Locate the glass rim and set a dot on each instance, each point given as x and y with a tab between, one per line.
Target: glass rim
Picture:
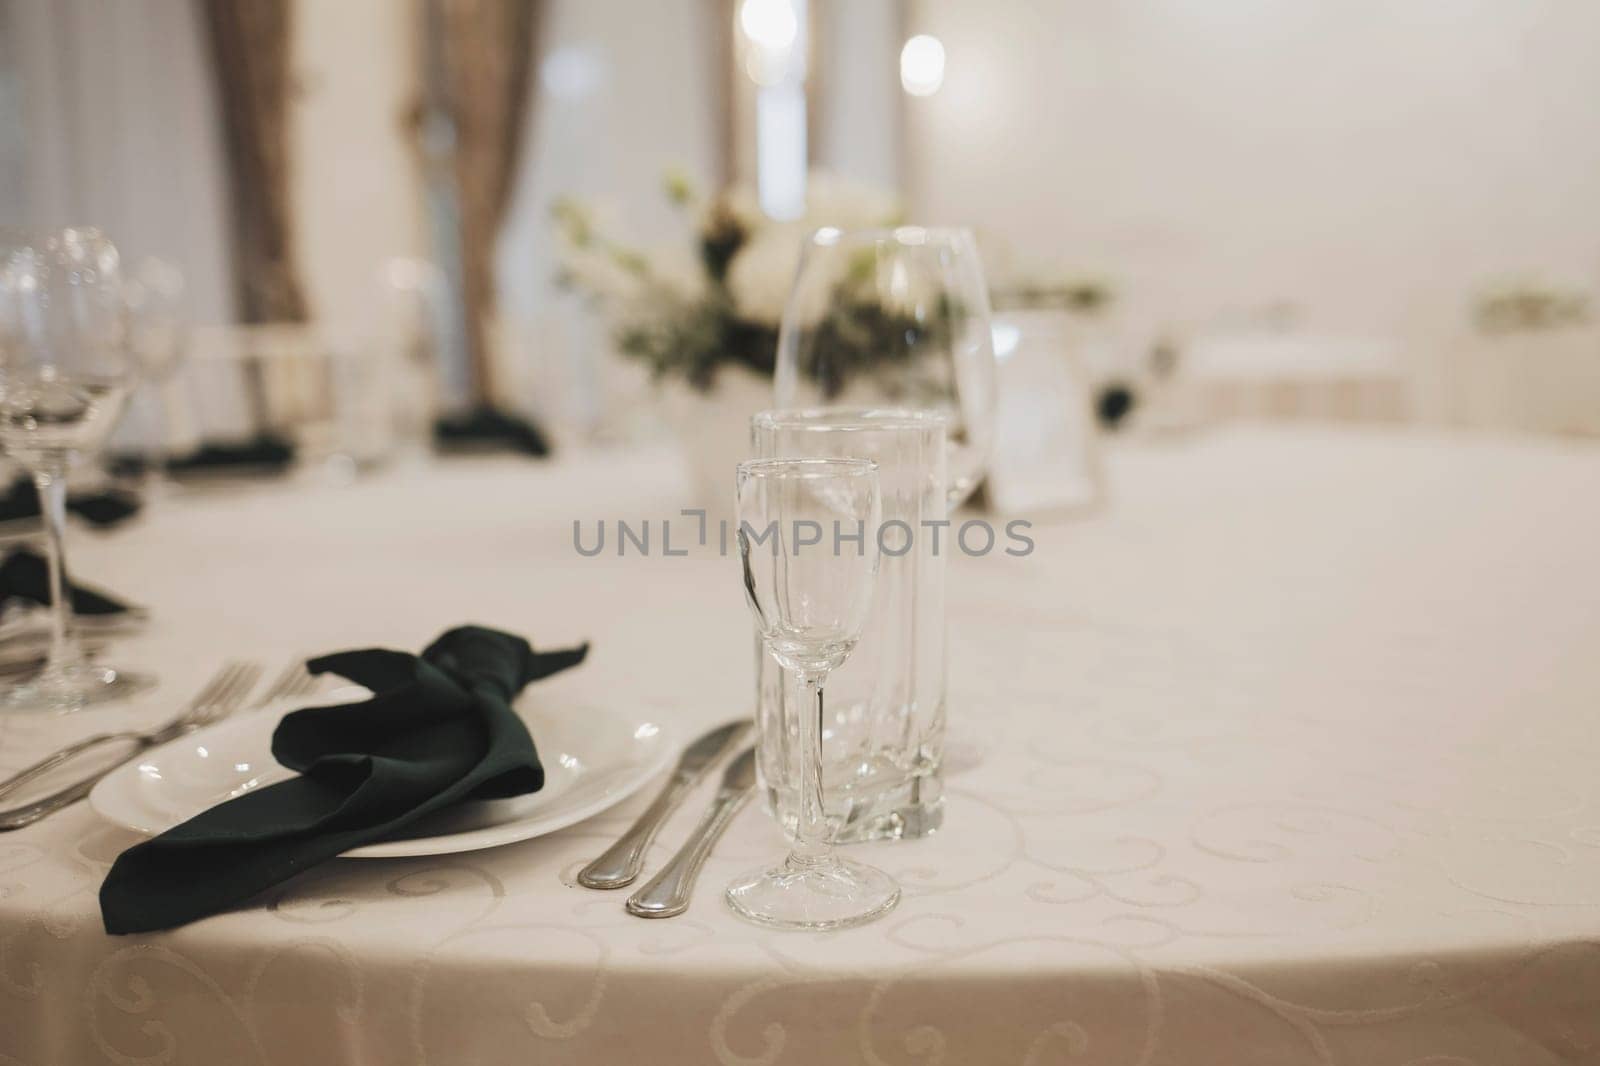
850	419
907	234
807	469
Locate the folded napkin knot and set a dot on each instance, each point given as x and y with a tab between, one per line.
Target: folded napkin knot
437	730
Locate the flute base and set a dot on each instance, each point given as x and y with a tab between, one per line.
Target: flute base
72	688
827	893
906	808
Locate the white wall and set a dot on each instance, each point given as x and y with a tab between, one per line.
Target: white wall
1371	164
357	191
858	95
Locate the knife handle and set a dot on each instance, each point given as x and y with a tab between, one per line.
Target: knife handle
620	864
667	894
18	817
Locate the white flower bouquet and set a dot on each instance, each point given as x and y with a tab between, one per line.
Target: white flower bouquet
687	315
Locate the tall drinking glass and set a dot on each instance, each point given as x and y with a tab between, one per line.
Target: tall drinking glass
67	380
808	548
895	318
884	735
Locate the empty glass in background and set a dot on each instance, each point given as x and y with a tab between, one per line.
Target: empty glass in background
412	309
810	604
883	737
155	301
67	380
895	318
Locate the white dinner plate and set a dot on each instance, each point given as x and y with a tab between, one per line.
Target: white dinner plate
592	759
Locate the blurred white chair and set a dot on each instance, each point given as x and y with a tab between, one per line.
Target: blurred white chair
291	380
1292	376
251	379
1545	381
561	366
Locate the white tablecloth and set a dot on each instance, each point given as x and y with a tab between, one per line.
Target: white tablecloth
1288	756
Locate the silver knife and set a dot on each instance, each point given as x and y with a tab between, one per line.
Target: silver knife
622	861
667	894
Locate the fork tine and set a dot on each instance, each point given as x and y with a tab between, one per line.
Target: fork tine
218	682
306	683
283	683
295	681
236	693
223	685
226	682
228	701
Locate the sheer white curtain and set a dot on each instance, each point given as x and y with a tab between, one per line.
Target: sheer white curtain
115	106
107	119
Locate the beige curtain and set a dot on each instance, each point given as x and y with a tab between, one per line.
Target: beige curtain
249	45
487	52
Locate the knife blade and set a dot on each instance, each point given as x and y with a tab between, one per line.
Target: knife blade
619	865
667	894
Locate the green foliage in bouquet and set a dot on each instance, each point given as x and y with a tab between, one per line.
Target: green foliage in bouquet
722	306
1530	308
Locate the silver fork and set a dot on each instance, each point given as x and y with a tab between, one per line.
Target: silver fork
223	695
294	682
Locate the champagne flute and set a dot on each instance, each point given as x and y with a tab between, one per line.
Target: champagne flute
895	318
157	322
808	545
66	383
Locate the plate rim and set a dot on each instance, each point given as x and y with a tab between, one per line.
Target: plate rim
528	827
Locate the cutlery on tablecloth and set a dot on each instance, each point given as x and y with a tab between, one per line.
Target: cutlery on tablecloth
667	893
295	682
621	862
223	695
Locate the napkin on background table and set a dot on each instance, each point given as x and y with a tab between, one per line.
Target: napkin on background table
485	428
105	508
267	452
439	729
25	575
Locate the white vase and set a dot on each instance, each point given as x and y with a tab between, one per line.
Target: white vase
713	432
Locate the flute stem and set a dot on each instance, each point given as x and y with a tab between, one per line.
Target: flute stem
64	654
812	838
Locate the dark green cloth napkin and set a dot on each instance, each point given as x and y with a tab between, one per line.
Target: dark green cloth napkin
486	429
439	729
268	452
25	575
105	508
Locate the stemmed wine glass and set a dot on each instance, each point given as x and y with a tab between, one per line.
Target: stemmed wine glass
808	544
157	322
895	318
67	379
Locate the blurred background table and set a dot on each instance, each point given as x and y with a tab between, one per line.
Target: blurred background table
1286	755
